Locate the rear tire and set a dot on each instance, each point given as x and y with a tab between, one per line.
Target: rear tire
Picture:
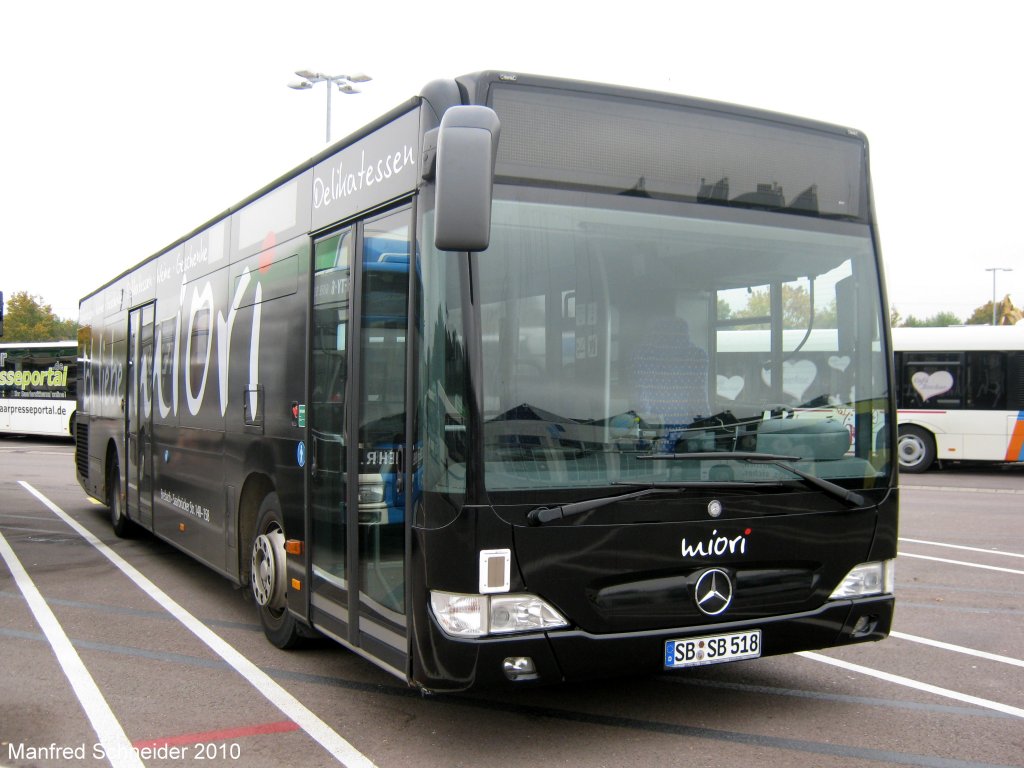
916	449
268	579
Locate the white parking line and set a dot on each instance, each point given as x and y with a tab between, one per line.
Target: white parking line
958	649
963	489
326	736
111	735
962	562
959	546
916	684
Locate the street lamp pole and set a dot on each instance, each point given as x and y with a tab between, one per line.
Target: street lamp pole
994	270
344	83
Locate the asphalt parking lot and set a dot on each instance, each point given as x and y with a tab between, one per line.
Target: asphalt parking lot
118	648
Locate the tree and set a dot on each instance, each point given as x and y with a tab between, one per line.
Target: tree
939	320
1006	313
27	318
796	308
943	319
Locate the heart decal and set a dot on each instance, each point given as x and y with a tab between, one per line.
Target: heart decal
929	385
839	363
796	377
729	387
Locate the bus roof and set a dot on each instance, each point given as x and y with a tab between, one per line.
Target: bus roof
959	338
474	88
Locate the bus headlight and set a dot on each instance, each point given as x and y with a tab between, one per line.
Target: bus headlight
867	579
523	613
480	615
460	615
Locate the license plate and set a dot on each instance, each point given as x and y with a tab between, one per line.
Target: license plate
712	649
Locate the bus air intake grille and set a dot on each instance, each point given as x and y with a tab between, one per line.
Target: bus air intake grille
82	449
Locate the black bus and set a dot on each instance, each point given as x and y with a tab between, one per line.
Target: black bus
451	392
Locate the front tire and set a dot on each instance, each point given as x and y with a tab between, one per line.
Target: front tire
115	503
916	449
268	577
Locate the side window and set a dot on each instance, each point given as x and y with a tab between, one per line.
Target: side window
1015	381
442	422
332	259
385	292
382	439
932	380
986	380
333	262
70	364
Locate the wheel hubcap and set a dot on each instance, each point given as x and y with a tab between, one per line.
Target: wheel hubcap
911	451
268	569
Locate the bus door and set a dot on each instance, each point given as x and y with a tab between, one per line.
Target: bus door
356	422
139	415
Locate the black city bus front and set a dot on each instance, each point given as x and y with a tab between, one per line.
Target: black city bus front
653	421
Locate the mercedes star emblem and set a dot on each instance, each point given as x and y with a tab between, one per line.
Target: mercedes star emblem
713	592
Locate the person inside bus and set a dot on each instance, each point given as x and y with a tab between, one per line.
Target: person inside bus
670	377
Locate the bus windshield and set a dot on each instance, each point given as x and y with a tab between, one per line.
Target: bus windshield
615	330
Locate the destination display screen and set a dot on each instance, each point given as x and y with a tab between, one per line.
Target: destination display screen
657	149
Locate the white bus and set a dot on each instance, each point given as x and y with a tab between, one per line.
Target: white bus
38	388
959	394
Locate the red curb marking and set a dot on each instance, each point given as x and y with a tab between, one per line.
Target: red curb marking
283	726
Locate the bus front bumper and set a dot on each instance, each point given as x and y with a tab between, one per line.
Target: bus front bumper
570	655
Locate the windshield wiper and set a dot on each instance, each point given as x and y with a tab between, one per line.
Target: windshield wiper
542	515
776	460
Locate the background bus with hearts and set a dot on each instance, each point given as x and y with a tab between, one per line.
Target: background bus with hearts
959	394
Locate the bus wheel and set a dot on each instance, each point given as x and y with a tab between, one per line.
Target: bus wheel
268	578
115	503
916	449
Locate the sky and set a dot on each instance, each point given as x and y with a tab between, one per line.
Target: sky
126	125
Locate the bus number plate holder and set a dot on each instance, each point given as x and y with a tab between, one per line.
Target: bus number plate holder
712	649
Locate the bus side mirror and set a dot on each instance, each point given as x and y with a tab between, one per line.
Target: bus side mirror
467	145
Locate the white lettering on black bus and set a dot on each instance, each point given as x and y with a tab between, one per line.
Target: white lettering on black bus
717	545
343	182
